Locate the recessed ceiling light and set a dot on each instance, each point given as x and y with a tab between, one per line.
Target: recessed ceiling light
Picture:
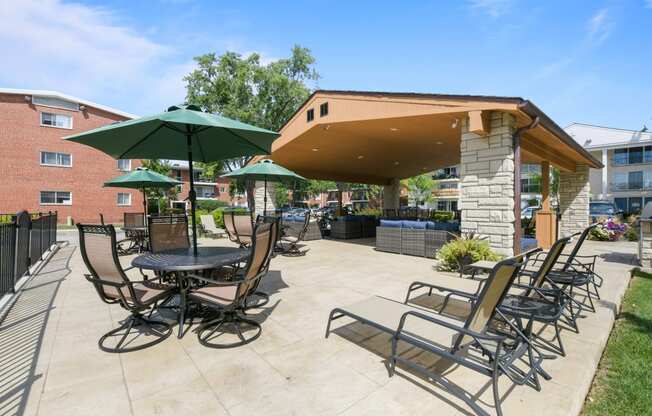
393	129
396	163
439	142
315	149
360	157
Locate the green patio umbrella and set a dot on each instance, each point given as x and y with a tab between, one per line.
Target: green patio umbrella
182	132
263	171
142	178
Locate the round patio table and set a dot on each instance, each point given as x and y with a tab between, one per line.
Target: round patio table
182	261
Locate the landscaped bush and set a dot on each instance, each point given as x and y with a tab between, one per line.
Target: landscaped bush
631	234
442	216
371	212
464	250
610	230
218	214
211	204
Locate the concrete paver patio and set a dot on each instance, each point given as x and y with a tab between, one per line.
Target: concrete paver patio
51	364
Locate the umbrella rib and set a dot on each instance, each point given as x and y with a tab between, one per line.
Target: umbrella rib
266	152
141	140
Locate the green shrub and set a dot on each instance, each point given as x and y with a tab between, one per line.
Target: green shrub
372	212
442	216
211	204
599	233
466	249
631	234
218	214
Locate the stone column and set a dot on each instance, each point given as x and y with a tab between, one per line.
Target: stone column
487	182
392	194
574	200
259	196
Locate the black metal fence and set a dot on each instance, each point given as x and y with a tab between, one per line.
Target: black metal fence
24	238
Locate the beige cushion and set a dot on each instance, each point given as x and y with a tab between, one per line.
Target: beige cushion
148	292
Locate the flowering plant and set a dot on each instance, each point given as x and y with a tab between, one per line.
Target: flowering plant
609	230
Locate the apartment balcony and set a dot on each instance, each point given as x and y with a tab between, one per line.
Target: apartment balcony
627	187
445	193
445	176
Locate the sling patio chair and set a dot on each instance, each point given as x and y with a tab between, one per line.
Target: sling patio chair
239	227
539	301
98	249
466	341
168	232
289	243
209	228
134	237
229	297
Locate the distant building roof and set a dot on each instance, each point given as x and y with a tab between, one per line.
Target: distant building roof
66	97
596	137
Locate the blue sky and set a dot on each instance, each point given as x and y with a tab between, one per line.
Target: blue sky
578	61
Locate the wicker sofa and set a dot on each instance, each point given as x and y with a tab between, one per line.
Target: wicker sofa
415	238
353	226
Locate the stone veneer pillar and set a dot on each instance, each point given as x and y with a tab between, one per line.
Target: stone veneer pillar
487	182
259	197
574	200
391	195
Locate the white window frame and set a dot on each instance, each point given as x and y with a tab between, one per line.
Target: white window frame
124	170
124	193
56	115
40	198
55	164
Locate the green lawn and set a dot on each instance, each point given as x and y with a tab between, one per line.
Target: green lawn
623	385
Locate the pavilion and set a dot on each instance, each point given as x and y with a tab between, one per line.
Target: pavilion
381	138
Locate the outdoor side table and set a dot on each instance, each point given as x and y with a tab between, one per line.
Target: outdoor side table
182	261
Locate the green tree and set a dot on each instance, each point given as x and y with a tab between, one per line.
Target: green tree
420	188
164	168
243	88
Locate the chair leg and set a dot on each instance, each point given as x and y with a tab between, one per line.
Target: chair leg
158	329
262	301
229	318
497	404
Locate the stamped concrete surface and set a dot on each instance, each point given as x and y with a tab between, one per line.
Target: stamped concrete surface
51	365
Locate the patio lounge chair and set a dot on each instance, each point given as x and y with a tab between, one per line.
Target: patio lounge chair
467	341
209	227
239	227
168	232
289	242
230	296
98	249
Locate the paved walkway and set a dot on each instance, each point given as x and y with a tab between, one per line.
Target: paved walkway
50	364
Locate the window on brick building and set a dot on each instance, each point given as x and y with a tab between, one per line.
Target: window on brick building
56	159
56	198
124	199
124	165
61	121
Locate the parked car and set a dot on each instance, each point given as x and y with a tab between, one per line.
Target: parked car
601	210
528	212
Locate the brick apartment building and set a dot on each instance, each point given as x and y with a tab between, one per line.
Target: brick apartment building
42	172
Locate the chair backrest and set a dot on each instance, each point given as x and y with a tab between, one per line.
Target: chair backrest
97	244
168	232
229	226
134	219
501	278
208	222
243	224
304	228
262	247
549	262
578	245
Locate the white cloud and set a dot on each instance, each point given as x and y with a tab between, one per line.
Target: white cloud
553	69
84	51
494	8
599	27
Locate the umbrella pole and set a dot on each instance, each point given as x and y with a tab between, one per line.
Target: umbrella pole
144	205
192	195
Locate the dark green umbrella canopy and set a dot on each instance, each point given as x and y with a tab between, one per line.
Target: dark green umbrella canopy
265	170
182	132
142	178
163	136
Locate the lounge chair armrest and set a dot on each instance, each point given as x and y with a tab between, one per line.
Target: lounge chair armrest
460	329
418	285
